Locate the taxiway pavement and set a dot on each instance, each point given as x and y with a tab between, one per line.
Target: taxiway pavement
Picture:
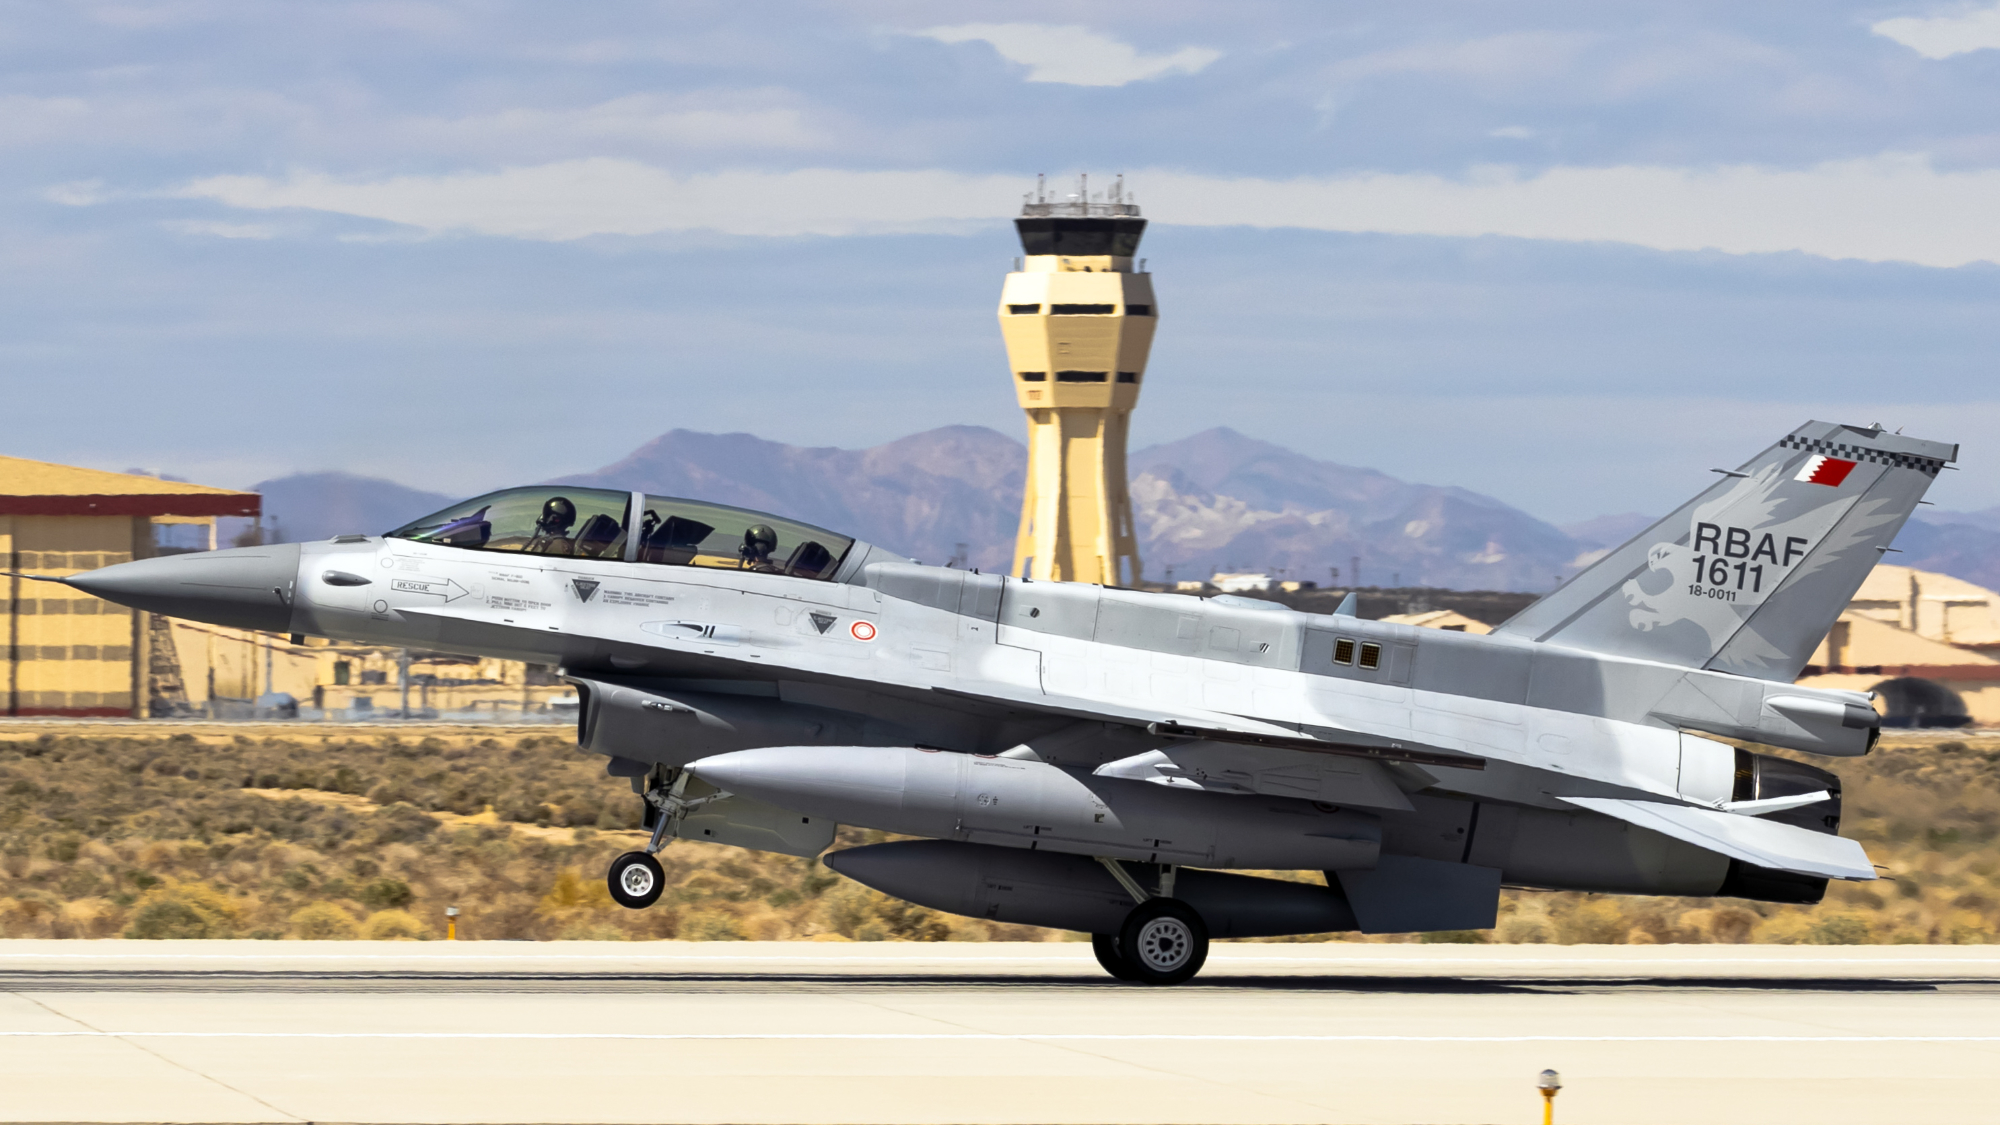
121	1031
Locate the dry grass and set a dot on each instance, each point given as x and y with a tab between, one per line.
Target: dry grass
229	836
107	833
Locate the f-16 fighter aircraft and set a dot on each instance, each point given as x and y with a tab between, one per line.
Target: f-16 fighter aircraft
1103	760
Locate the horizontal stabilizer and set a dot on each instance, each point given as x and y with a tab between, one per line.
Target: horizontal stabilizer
1764	843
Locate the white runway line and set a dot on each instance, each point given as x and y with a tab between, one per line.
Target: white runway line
984	1036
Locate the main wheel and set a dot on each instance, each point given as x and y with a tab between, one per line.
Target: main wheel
1106	948
1163	941
636	880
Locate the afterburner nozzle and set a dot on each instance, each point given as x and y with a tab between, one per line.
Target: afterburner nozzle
241	587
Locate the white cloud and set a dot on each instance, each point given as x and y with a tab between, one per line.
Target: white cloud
1514	56
1074	56
1941	37
748	121
1888	208
579	198
223	230
77	193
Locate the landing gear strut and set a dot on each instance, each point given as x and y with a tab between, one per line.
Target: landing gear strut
1163	940
635	879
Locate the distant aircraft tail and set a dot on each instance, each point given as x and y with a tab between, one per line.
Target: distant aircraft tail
1748	576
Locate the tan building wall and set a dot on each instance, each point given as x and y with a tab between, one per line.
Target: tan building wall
67	653
225	671
1936	606
1858	641
1912	624
1449	620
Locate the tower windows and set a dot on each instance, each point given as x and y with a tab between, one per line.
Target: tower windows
1128	376
1083	310
1081	237
1033	376
1138	310
1024	310
1082	376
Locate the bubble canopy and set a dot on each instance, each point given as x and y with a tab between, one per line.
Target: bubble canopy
597	523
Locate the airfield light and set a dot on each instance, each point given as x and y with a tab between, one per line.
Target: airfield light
451	929
1548	1084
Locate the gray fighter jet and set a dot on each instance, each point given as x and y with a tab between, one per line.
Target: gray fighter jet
1101	760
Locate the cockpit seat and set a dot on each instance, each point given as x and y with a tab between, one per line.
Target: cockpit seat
596	535
808	560
674	541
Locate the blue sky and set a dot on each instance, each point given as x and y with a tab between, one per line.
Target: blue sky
1570	255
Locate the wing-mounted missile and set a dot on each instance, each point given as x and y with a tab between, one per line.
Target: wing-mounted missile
654	722
1027	804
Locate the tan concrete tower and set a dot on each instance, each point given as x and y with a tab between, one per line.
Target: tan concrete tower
1078	321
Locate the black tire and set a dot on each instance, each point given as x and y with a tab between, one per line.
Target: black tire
1163	941
1106	948
636	880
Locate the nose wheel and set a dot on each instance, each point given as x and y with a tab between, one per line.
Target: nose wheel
1163	941
636	880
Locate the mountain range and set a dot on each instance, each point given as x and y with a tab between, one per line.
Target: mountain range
1215	501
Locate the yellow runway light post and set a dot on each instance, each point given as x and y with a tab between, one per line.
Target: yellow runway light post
451	924
1548	1084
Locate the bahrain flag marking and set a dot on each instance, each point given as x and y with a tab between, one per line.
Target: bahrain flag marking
1820	469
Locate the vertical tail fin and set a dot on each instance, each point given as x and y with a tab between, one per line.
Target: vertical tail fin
1748	576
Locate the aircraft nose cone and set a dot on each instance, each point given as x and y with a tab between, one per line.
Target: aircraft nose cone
242	587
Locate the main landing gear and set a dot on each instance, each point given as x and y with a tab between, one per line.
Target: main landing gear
1163	940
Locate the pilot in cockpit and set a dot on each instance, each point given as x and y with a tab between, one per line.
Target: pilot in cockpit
552	529
755	553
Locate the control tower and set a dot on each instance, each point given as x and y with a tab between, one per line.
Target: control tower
1078	320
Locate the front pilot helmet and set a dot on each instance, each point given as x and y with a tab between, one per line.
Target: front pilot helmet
759	541
557	515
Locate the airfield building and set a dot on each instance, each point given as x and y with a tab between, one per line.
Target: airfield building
1077	317
68	653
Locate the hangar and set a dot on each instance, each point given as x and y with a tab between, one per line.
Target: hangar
69	653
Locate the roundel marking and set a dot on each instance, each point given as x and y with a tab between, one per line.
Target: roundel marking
862	631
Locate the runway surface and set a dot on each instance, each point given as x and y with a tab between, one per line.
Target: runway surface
808	1032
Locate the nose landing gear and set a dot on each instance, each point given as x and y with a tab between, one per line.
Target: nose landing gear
636	879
